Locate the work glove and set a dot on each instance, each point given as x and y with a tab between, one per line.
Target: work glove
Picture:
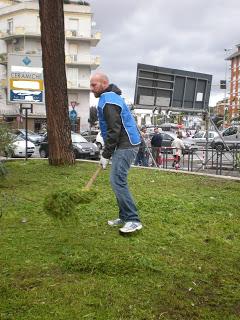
103	162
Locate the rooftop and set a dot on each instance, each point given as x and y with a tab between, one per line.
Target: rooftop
235	54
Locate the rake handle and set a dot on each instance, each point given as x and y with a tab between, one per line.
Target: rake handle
93	178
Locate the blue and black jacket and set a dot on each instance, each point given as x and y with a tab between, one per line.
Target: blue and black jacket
118	127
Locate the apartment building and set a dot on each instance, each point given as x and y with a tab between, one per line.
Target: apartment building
234	98
20	36
221	106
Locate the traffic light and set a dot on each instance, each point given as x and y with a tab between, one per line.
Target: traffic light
223	84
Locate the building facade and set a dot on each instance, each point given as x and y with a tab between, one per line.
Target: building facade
221	107
20	35
234	97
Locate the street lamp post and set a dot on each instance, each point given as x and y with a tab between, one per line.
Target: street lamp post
26	107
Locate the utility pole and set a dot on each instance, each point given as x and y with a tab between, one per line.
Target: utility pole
206	118
26	107
225	90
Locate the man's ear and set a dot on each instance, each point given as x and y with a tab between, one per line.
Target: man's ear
105	83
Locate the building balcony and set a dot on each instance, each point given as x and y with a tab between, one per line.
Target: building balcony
75	85
19	50
74	35
19	32
71	35
79	60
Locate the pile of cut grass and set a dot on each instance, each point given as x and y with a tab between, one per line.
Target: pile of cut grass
184	264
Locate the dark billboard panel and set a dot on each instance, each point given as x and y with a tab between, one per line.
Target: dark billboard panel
173	89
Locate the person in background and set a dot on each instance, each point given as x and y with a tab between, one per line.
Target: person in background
147	144
177	146
121	142
156	144
188	133
142	157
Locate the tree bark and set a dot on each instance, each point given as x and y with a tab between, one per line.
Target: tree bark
56	99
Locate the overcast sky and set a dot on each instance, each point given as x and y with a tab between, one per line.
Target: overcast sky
182	34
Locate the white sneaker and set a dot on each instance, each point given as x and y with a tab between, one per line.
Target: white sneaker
115	223
131	226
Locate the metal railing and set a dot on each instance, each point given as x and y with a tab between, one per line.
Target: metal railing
204	160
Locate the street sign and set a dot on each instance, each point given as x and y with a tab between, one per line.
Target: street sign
171	89
25	79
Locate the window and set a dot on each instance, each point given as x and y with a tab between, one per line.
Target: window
230	131
38	24
73	24
72	75
199	135
167	137
10	26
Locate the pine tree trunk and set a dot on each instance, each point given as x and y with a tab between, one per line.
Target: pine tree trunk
53	55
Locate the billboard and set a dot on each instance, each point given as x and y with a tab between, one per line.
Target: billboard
171	89
25	79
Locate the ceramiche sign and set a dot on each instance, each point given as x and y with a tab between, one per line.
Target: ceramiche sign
25	79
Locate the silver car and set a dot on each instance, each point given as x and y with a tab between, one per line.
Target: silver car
200	137
229	138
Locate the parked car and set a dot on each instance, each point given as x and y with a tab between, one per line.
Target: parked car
200	137
18	148
90	135
99	140
32	136
82	148
231	138
168	138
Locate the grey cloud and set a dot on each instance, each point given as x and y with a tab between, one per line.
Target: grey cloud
184	34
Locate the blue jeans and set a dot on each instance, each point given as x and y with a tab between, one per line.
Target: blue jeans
121	162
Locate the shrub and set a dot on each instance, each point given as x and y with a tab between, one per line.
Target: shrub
6	139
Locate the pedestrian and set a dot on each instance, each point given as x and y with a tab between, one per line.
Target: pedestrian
147	146
177	146
156	144
142	157
121	142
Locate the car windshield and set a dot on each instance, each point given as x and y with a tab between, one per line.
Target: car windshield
17	138
29	132
167	136
77	138
199	134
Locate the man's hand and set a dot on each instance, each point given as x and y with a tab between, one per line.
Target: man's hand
103	162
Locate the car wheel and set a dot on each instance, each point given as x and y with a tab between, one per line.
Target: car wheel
29	155
99	145
43	154
219	146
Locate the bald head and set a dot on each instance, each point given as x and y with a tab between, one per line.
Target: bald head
98	83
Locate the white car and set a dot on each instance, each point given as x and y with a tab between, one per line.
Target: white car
231	138
18	147
200	137
99	141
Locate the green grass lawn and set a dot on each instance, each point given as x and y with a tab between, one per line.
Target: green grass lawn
184	263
